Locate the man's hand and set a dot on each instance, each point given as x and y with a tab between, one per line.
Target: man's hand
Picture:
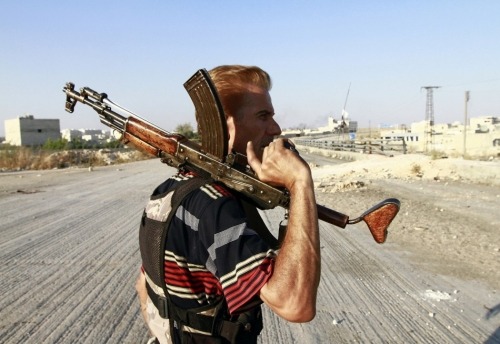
280	165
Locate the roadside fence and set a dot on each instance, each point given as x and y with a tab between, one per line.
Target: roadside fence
368	146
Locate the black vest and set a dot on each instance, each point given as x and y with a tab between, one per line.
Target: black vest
219	327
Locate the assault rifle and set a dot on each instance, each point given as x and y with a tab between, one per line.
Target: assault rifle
212	155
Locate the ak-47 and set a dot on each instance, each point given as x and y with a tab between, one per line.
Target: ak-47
212	155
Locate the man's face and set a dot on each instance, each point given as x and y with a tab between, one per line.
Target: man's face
254	122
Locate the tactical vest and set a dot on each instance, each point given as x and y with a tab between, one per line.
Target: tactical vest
219	327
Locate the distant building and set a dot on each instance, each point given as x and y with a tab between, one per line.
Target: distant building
89	135
332	127
482	136
342	126
28	131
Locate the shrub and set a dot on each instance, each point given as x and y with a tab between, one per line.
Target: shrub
13	158
416	169
55	144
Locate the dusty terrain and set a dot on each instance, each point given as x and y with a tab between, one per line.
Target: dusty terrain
69	254
449	218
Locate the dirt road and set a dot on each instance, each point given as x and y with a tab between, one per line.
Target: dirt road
69	258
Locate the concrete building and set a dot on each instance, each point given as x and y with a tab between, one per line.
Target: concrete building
28	131
480	138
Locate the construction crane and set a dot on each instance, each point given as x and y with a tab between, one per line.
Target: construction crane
344	124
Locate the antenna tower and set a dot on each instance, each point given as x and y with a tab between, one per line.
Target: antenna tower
429	117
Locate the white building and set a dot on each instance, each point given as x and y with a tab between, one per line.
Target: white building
89	135
481	136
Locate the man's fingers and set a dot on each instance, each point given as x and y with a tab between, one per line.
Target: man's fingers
289	145
252	159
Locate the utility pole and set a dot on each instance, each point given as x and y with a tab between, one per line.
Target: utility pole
429	117
467	97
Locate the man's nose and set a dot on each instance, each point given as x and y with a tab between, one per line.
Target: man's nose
274	128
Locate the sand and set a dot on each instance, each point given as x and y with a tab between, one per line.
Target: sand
449	218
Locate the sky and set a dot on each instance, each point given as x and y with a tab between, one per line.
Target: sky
141	52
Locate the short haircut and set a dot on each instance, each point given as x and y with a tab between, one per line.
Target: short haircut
232	83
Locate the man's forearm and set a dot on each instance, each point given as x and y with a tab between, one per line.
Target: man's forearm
291	291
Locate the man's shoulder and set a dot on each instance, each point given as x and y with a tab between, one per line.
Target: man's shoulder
208	191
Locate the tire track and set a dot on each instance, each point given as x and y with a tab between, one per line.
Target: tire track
368	294
69	258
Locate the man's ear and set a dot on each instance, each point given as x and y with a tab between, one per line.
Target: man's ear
230	126
231	132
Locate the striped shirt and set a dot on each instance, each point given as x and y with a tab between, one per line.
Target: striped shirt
211	252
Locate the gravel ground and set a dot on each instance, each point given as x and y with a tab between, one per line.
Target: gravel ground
69	257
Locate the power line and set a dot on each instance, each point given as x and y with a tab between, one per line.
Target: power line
429	116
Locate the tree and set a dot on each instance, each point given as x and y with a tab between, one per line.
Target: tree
57	144
114	143
186	130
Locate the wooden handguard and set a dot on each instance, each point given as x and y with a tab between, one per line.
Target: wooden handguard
154	140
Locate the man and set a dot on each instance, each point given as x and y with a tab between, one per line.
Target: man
216	265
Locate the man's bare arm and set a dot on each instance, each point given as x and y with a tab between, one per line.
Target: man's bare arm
291	291
142	294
